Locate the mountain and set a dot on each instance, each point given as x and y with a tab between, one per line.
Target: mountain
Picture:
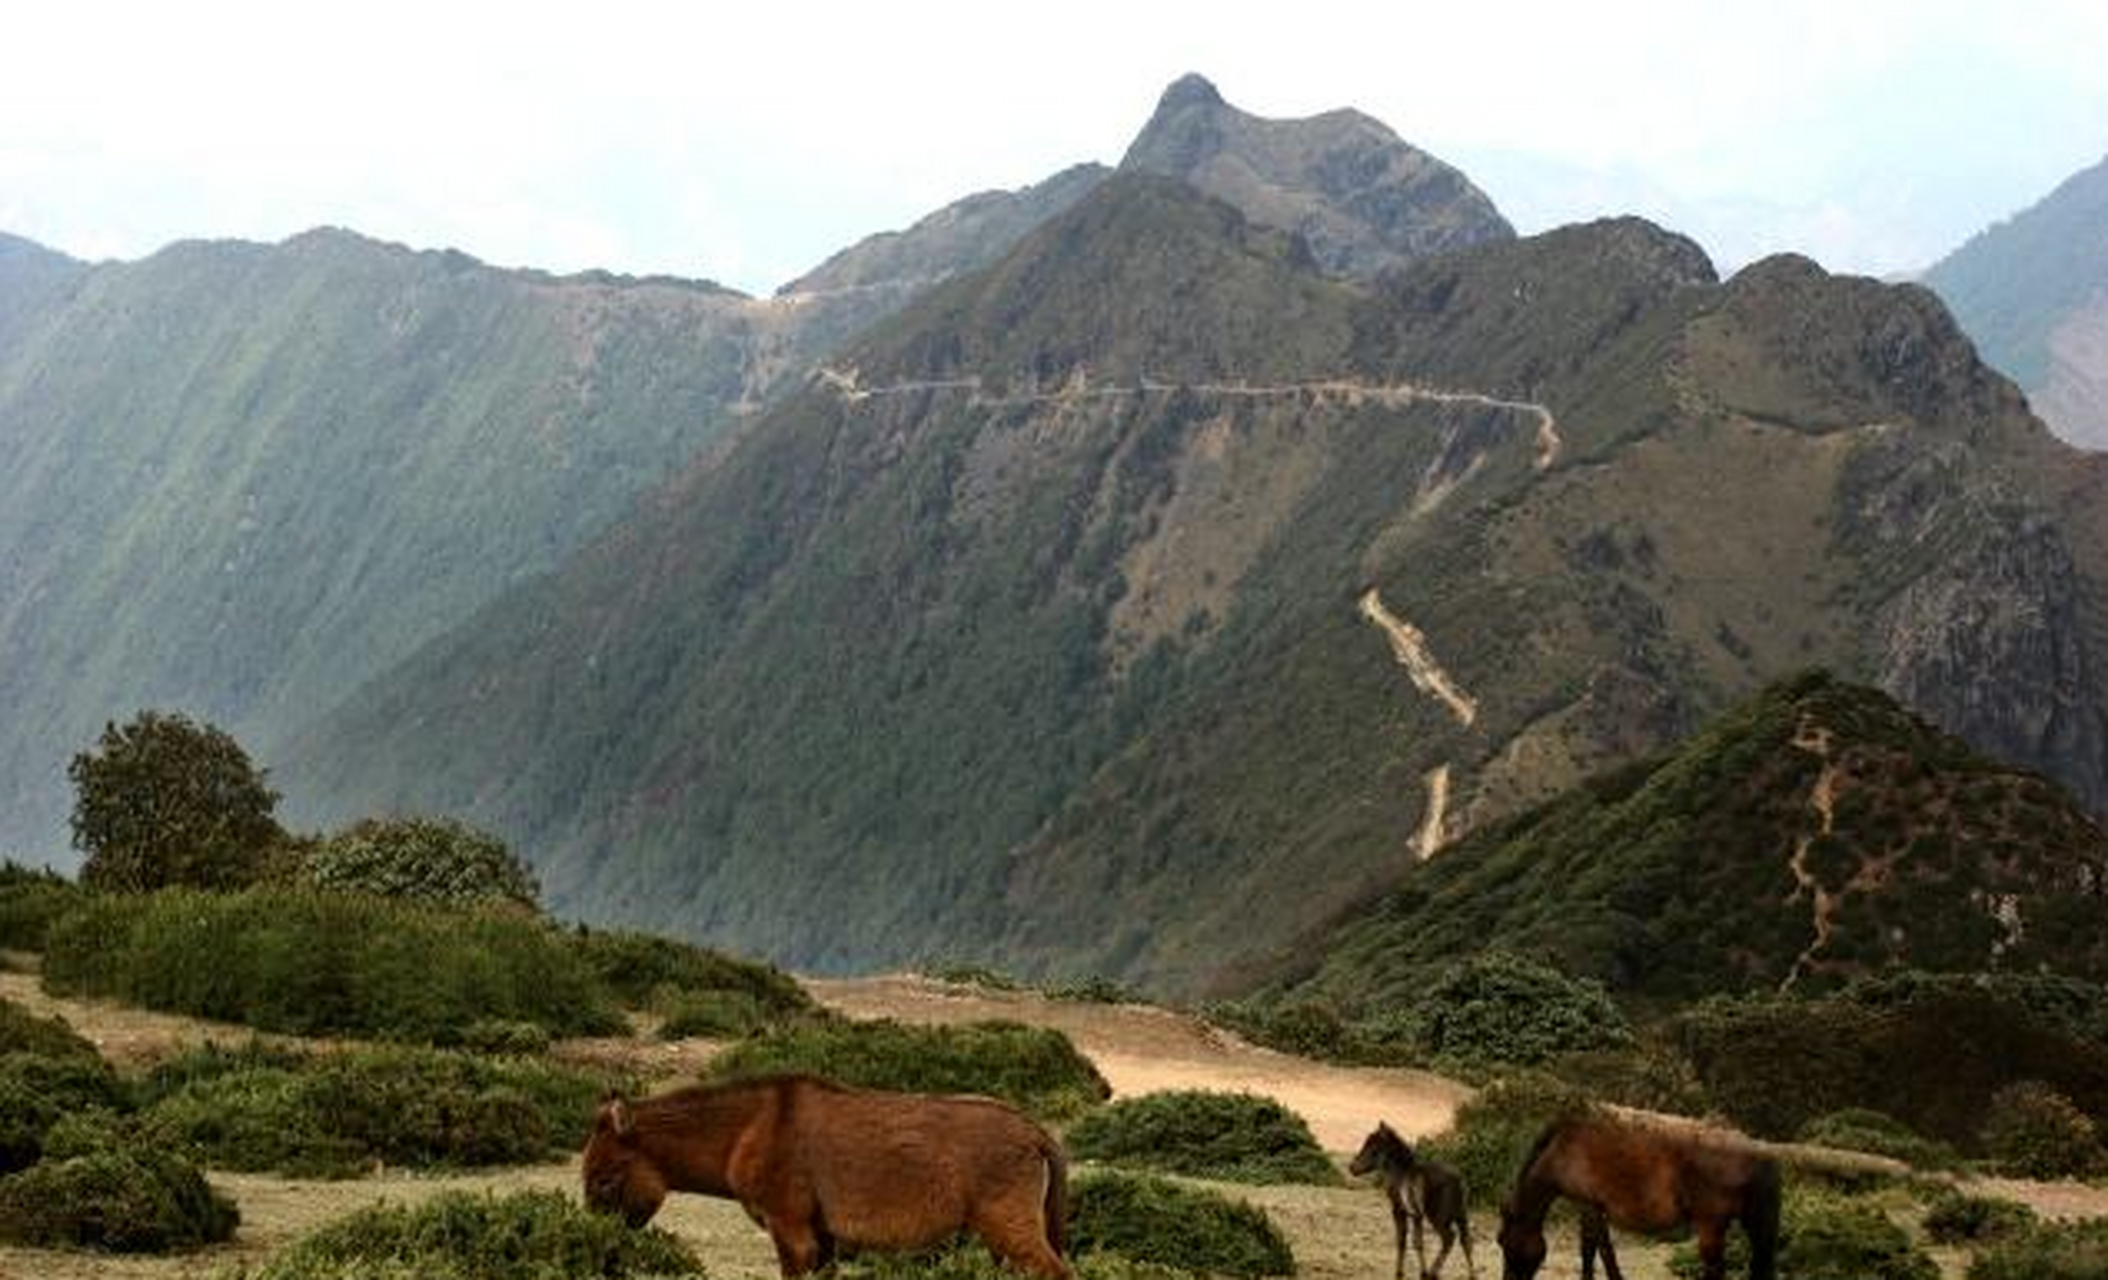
1812	834
1363	199
1150	597
2033	292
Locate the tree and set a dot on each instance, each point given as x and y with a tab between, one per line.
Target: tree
430	859
165	800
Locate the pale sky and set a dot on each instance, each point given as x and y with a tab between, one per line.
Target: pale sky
747	142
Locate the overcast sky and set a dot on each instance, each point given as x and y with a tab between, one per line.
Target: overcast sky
1873	134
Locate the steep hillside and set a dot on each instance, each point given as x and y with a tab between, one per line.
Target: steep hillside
1814	833
1358	195
2033	292
242	478
1147	599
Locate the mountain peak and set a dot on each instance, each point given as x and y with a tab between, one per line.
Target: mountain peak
1190	90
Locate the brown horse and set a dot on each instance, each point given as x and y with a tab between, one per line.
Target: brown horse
1643	1178
1420	1191
819	1165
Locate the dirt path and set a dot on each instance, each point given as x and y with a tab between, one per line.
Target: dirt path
1141	1048
1409	647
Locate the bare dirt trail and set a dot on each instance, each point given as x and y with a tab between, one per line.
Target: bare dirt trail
1142	1048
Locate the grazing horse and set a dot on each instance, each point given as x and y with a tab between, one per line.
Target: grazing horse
1643	1178
820	1166
1419	1190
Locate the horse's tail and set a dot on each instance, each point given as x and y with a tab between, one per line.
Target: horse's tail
1057	1202
1760	1218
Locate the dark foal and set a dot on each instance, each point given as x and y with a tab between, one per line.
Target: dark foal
1421	1192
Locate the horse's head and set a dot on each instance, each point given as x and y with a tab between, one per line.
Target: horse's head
1521	1245
1383	1148
619	1178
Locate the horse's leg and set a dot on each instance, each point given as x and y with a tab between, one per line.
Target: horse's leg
1448	1234
1016	1232
798	1249
1712	1249
1609	1251
1471	1266
1420	1241
1401	1230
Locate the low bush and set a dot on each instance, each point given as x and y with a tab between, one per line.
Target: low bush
1828	1237
24	1032
1648	1076
2048	1251
36	1092
1151	1220
2033	1131
961	973
1034	1068
1956	1218
644	970
1878	1133
969	1260
535	1235
438	860
1493	1133
1233	1137
713	1015
105	1188
1497	1009
506	1036
308	962
29	901
1315	1029
1093	989
336	1115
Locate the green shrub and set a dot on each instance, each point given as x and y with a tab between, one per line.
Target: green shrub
1034	1068
962	973
306	962
29	901
1233	1137
1093	989
335	1115
1828	1237
24	1032
113	1192
37	1092
1500	1009
427	859
1151	1220
715	1015
639	968
2033	1131
1314	1029
2049	1251
1955	1218
967	1259
1875	1132
1493	1132
535	1235
1648	1076
506	1036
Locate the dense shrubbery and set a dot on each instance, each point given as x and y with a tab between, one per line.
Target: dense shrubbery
715	1015
1878	1133
164	800
29	901
970	1260
2059	1251
335	1115
1315	1029
1828	1237
103	1187
24	1032
1093	989
1648	1076
1497	1009
1151	1220
36	1092
537	1235
964	973
426	859
1032	1067
311	963
1493	1133
1955	1218
2035	1132
643	969
1234	1137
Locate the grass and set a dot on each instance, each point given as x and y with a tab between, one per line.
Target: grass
1033	1068
1230	1137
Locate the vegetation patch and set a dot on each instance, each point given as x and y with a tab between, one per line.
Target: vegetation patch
426	859
970	1260
335	1115
2033	1131
1231	1137
1959	1218
644	970
1828	1237
24	1032
307	962
536	1235
1152	1220
29	901
2050	1251
1499	1009
1881	1134
107	1188
37	1092
1034	1068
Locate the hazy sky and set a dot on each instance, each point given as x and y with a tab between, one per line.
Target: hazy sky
1873	134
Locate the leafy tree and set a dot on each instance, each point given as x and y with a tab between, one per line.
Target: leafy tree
430	859
165	800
